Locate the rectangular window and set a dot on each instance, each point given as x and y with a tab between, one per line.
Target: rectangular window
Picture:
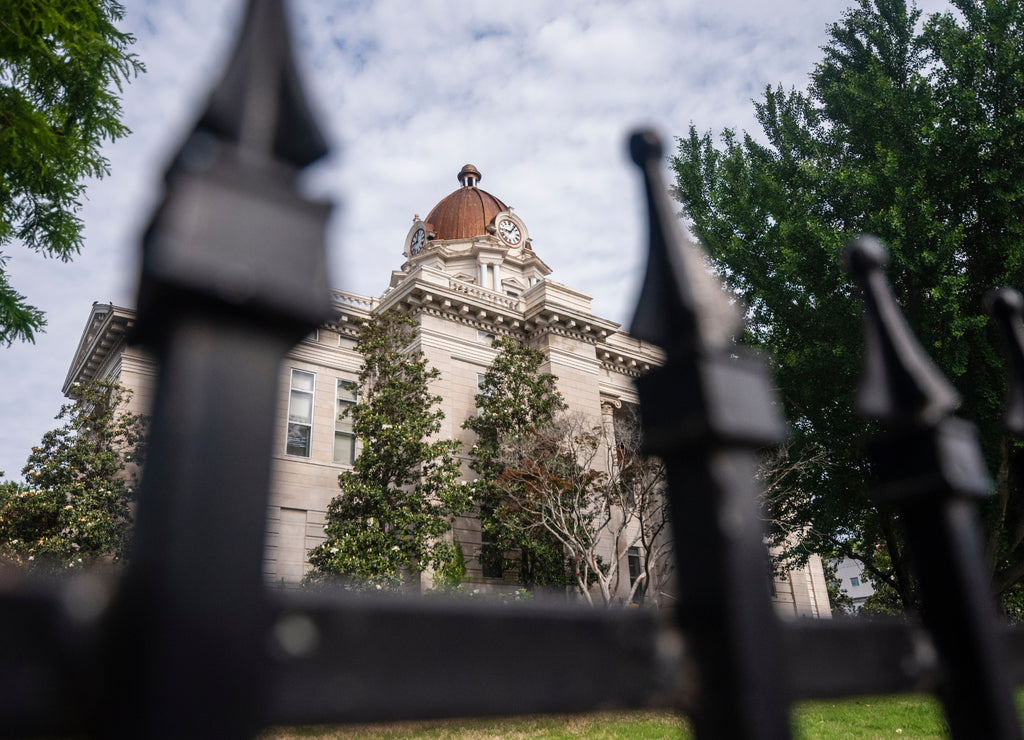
484	336
344	436
480	377
635	570
855	581
633	557
300	413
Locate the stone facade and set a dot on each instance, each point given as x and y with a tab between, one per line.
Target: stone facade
469	275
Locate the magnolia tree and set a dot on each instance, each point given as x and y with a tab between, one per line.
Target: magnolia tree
515	398
396	505
75	509
570	480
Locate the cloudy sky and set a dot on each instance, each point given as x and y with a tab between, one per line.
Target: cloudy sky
539	96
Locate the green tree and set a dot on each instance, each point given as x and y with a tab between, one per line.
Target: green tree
571	481
76	508
389	522
62	65
515	398
910	132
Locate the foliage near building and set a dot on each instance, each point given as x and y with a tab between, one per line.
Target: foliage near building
572	482
75	509
912	132
565	499
642	485
62	66
398	502
515	397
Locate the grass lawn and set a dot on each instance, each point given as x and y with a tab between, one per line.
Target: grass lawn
865	718
601	726
873	717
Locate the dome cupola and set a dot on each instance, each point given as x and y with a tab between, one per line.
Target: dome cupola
469	176
467	212
474	238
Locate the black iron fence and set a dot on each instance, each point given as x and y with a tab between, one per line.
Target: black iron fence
189	643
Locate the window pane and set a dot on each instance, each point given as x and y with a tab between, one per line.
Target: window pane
633	558
301	407
344	423
346	390
344	439
298	440
344	448
301	380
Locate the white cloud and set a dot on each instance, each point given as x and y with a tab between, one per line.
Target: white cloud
540	96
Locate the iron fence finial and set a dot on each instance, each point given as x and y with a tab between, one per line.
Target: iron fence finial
681	306
259	102
706	412
900	381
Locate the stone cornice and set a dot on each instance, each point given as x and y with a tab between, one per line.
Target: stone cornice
513	329
104	332
529	315
624	354
618	363
350	311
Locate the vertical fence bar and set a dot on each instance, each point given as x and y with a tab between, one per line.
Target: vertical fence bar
706	412
930	470
233	275
1006	306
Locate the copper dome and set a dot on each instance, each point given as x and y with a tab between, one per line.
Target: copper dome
467	212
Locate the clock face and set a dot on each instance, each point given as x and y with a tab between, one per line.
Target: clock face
508	231
417	241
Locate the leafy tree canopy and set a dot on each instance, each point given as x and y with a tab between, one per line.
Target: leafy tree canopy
76	508
62	65
389	522
515	398
910	129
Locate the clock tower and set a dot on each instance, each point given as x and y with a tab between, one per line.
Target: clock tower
472	235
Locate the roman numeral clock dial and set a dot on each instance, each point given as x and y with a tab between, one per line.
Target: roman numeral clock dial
509	231
417	241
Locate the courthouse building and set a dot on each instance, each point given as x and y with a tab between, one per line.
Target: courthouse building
468	274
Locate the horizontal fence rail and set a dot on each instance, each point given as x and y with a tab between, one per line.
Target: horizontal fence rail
190	643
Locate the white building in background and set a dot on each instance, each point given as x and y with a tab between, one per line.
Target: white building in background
468	274
850	574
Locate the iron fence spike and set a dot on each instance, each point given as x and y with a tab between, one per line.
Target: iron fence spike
681	306
900	381
259	102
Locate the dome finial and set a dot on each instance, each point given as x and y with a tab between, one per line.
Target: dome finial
469	176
